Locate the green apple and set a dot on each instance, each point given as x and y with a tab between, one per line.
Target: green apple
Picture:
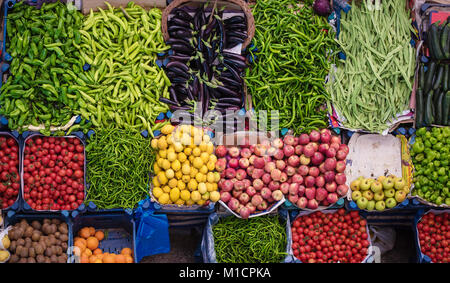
399	183
376	186
370	205
356	195
354	186
388	183
380	205
365	184
389	193
378	196
381	179
368	194
400	196
362	202
390	202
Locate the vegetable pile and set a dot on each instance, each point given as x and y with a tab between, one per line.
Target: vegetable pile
293	59
123	86
434	236
384	192
256	240
118	165
86	246
53	173
438	40
330	237
204	72
184	168
433	95
45	65
9	173
374	83
430	153
39	242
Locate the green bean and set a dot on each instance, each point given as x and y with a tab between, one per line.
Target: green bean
255	240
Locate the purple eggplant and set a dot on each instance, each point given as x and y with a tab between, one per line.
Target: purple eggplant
181	34
168	101
179	58
237	34
234	20
179	22
239	27
183	49
178	65
181	14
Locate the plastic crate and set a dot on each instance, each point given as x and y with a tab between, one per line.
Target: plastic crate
15	135
119	229
25	137
12	218
422	258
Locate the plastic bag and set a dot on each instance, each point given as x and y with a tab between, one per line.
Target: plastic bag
152	236
383	238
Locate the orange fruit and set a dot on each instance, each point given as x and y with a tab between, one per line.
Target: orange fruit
91	231
121	259
80	245
92	243
109	258
84	233
98	261
128	259
87	252
126	251
97	251
99	235
92	258
84	259
100	256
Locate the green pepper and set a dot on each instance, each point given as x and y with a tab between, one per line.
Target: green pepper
418	147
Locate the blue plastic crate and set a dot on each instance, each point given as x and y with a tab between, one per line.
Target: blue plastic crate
12	218
15	135
24	206
119	230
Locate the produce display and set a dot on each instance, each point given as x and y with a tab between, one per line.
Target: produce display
53	173
184	167
430	152
256	240
45	65
37	241
87	248
433	95
438	40
338	236
379	194
293	57
434	236
374	83
123	85
9	174
205	73
118	164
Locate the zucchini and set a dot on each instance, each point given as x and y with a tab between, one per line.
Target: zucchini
434	41
428	114
438	107
445	79
419	108
438	77
422	76
429	76
444	41
446	109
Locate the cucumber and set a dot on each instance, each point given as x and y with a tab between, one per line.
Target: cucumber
445	47
446	109
445	79
428	114
429	76
434	41
422	76
438	77
438	106
419	108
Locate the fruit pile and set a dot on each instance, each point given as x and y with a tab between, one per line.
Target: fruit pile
184	168
430	153
338	236
9	175
86	246
434	236
384	192
53	173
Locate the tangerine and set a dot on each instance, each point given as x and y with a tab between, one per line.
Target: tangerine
99	235
120	259
92	243
97	251
109	258
126	251
84	233
128	259
91	231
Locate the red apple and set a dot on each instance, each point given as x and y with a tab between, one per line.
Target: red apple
312	204
340	178
330	164
233	163
297	178
331	152
314	136
317	158
221	151
244	163
308	150
288	150
313	171
230	173
310	181
269	166
298	149
234	151
320	181
331	187
340	166
304	160
303	170
341	155
303	139
280	164
325	136
259	162
278	143
335	139
279	154
246	153
342	189
329	176
323	147
221	164
241	174
321	194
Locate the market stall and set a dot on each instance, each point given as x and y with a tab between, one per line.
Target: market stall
265	131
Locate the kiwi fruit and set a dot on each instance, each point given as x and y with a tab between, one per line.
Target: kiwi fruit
19	232
57	234
56	221
12	234
64	246
28	232
31	260
23	223
21	242
58	250
47	260
36	225
54	259
53	228
64	238
14	258
24	253
48	251
62	259
28	242
12	246
46	221
36	236
19	249
31	252
46	228
40	258
63	228
23	260
39	249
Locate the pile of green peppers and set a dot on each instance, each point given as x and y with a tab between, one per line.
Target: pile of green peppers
430	155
